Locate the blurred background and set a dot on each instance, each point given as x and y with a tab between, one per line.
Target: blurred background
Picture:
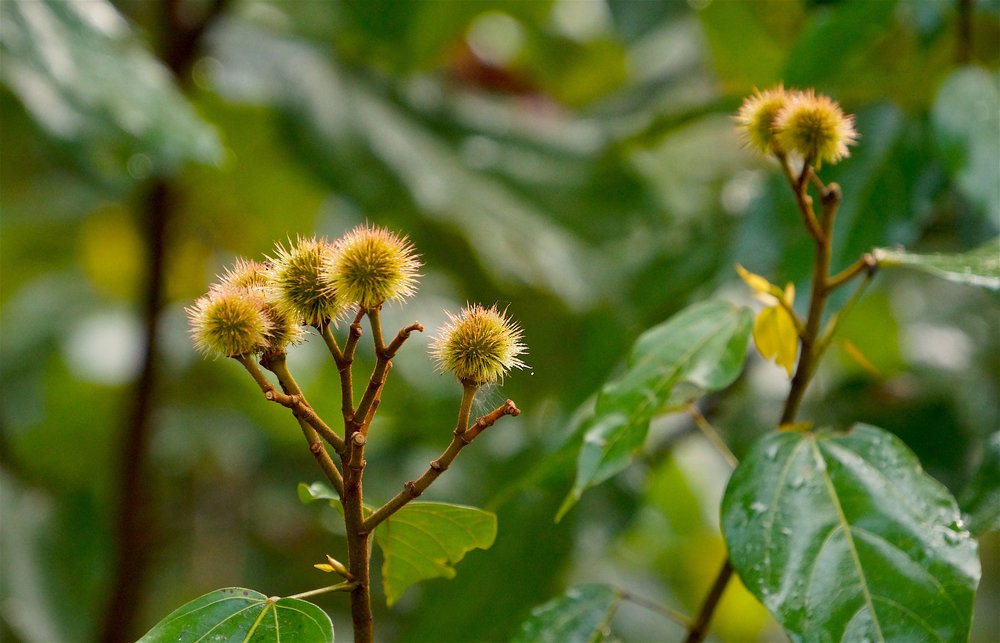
574	160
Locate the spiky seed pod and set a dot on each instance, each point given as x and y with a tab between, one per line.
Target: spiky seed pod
814	126
756	118
245	273
228	322
253	276
297	283
285	329
373	265
479	345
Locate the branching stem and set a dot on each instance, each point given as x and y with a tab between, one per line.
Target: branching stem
276	364
713	436
346	586
462	436
813	344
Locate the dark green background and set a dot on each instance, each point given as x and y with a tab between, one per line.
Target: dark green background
575	161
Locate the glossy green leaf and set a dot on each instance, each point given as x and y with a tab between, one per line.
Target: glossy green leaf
980	500
235	615
979	267
81	75
425	539
843	537
577	616
702	348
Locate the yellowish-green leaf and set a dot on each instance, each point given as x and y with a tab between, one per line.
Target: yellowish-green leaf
755	281
776	338
425	539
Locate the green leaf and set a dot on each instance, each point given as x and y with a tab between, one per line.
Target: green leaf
425	539
980	500
703	347
979	267
967	129
579	615
733	28
80	74
316	491
843	537
236	614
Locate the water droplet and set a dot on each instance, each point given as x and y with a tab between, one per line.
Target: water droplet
772	451
757	507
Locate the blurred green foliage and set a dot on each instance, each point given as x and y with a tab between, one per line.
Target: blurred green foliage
572	159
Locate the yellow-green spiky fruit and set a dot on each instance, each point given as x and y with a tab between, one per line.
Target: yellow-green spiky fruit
813	126
756	118
228	322
297	283
373	265
254	277
479	345
245	273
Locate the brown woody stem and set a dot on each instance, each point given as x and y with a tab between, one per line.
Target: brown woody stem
699	626
812	346
276	364
462	436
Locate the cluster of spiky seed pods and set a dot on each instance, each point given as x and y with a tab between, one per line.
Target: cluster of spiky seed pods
811	125
259	308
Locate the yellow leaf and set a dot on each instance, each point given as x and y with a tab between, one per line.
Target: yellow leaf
776	338
756	282
790	294
323	567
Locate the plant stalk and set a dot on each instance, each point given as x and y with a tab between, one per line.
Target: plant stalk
811	348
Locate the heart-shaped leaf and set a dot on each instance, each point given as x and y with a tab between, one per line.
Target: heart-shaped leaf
578	615
703	348
425	539
844	538
236	614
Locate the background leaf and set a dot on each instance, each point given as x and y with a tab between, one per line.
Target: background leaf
85	79
964	119
980	499
842	536
231	614
576	617
979	267
424	539
703	346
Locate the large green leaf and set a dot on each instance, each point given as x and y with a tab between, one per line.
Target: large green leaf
702	348
577	616
843	537
425	539
242	615
83	77
980	499
979	267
